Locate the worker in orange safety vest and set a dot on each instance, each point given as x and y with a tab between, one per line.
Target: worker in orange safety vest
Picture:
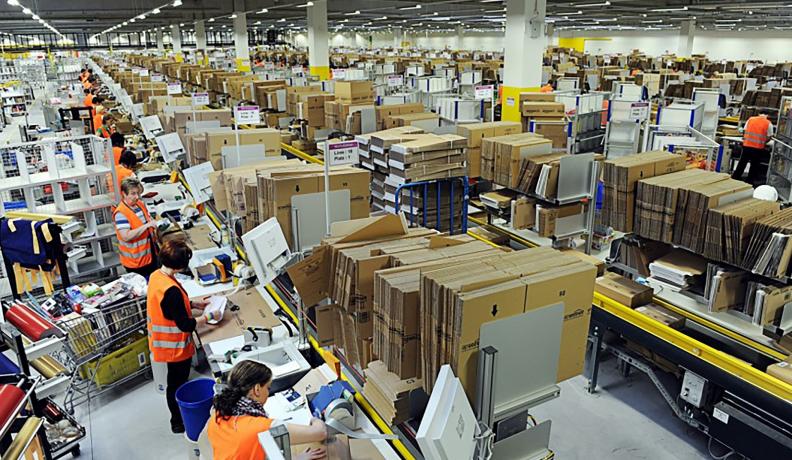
239	417
757	133
171	322
135	230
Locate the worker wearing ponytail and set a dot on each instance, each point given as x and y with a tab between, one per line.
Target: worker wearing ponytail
239	417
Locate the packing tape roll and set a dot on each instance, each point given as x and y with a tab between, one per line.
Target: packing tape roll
7	366
23	438
30	323
48	366
10	396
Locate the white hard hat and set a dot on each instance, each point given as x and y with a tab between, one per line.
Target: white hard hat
766	192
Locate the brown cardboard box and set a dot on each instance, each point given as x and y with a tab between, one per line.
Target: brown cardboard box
253	311
268	137
523	213
536	97
782	370
475	132
473	161
623	290
662	314
354	91
547	217
542	109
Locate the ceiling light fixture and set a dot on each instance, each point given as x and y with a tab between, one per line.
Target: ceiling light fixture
155	11
305	5
36	17
588	5
211	19
13	2
263	11
665	10
233	16
27	11
416	7
177	3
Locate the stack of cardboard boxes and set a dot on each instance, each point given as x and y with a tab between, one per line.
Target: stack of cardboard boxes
475	132
385	114
502	156
341	114
620	178
548	117
389	394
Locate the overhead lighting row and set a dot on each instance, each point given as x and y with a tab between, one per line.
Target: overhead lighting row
139	17
36	17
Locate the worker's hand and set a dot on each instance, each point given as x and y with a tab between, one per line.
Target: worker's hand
199	304
312	454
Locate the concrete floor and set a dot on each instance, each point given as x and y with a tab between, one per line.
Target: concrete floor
625	419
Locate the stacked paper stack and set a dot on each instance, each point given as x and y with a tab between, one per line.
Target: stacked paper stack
678	269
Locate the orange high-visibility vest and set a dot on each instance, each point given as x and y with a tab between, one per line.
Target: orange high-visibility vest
97	120
117	151
138	252
167	343
88	100
546	89
755	135
237	437
121	174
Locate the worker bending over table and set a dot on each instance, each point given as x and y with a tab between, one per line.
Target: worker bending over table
171	323
135	229
239	417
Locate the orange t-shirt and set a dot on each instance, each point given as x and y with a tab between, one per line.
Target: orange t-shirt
121	174
237	437
86	84
97	120
88	100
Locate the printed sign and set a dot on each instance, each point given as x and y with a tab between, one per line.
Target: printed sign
510	101
484	91
143	72
342	153
395	80
639	110
174	88
339	74
247	115
200	98
157	77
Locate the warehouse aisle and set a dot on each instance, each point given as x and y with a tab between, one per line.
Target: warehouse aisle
625	419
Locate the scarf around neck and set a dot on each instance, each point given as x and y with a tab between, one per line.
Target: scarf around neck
247	406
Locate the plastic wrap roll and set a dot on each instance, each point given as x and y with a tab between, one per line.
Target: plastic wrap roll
30	323
22	439
47	366
10	396
7	366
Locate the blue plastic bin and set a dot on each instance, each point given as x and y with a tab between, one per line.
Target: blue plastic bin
195	401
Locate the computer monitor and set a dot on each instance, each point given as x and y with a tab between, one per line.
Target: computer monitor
448	426
267	250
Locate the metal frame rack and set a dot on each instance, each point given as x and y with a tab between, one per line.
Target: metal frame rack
585	129
423	190
779	171
68	177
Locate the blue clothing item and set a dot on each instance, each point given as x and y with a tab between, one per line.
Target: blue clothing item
27	243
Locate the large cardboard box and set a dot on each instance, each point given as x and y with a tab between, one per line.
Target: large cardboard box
354	91
475	132
542	109
215	141
623	290
782	370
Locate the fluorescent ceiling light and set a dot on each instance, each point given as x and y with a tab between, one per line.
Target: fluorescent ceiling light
282	20
658	21
354	13
233	16
13	2
263	11
155	11
132	21
728	20
257	23
664	10
177	3
36	17
416	7
587	5
305	5
181	24
142	16
491	1
211	19
123	23
572	14
27	11
383	18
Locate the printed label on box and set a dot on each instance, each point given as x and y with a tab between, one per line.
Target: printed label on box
144	72
720	415
174	88
200	98
157	78
395	80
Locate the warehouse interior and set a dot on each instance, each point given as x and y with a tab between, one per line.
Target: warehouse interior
396	229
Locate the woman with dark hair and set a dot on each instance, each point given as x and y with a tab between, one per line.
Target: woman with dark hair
171	323
239	417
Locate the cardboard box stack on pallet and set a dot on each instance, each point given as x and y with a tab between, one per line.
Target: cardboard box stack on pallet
389	394
386	114
501	156
620	177
475	132
427	157
548	117
208	146
343	113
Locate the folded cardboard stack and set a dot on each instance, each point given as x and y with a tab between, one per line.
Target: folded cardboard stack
501	156
475	132
388	393
730	226
678	270
770	248
455	303
208	146
373	150
620	178
657	197
421	158
343	268
538	174
385	113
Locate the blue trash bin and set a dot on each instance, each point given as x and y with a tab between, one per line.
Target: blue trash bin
195	401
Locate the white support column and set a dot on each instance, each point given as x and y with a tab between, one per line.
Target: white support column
398	37
525	36
200	42
318	40
241	42
460	34
160	41
687	33
176	42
